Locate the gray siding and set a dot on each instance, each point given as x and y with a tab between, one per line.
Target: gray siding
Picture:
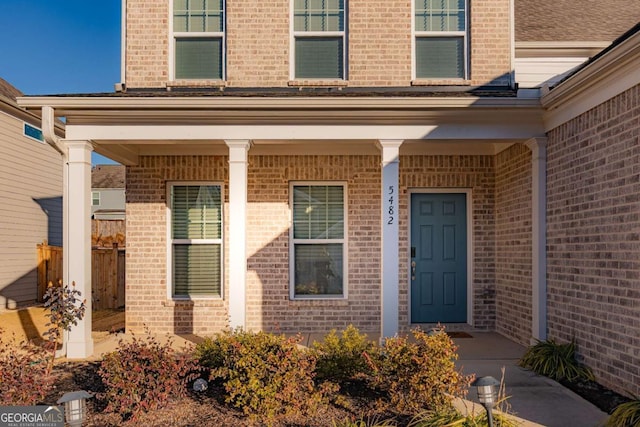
110	199
30	208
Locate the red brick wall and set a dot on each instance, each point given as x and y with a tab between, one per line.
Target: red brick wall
146	274
513	243
455	172
593	238
259	43
268	303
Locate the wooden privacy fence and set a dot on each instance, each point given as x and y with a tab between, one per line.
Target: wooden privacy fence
107	274
49	267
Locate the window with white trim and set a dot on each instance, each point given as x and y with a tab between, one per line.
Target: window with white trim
198	39
319	39
95	198
318	242
195	239
33	132
440	29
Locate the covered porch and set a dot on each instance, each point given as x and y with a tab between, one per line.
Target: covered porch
490	149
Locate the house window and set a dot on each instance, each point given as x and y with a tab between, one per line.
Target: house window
440	39
318	242
319	39
196	240
95	198
33	132
198	39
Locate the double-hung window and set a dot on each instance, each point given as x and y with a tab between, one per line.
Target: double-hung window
319	39
318	241
196	239
440	29
95	198
198	39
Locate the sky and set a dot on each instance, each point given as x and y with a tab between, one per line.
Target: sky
52	47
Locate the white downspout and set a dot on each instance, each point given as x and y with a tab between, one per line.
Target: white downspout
49	131
50	137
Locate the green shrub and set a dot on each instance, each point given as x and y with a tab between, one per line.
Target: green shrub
556	361
267	376
340	358
144	375
625	415
24	374
452	418
364	423
420	373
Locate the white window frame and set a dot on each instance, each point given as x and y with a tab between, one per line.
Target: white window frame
24	132
293	241
317	34
93	198
171	242
173	36
438	34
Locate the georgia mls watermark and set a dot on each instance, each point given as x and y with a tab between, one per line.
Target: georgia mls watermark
31	416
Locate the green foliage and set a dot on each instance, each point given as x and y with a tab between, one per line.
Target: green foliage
556	361
340	358
452	418
626	415
144	375
419	373
24	374
267	376
364	423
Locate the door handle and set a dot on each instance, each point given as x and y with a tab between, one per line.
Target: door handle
413	270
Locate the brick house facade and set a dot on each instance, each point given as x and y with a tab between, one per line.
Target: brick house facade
263	198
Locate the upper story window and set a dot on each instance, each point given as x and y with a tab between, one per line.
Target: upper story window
95	198
319	39
198	39
440	30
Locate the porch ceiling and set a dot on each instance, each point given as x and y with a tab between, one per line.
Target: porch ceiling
124	128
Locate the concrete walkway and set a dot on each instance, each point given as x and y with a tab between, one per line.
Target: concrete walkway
535	400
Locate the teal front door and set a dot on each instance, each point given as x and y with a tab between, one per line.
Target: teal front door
438	258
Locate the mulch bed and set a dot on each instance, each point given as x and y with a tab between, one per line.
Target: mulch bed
204	409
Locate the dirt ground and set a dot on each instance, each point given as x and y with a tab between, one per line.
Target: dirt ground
28	324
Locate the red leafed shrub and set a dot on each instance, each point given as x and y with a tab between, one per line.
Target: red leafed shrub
144	375
24	373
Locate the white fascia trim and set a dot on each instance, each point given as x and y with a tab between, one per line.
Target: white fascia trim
209	133
608	76
559	49
70	105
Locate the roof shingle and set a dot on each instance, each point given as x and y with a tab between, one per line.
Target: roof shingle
574	20
108	176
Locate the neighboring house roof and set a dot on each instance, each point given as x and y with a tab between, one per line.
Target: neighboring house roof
108	176
9	91
573	20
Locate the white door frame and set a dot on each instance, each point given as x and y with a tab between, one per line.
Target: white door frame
470	273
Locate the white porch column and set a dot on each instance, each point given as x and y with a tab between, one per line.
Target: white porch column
238	154
390	241
538	147
77	240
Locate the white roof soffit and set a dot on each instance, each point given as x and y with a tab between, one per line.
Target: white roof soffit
607	76
270	110
124	128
